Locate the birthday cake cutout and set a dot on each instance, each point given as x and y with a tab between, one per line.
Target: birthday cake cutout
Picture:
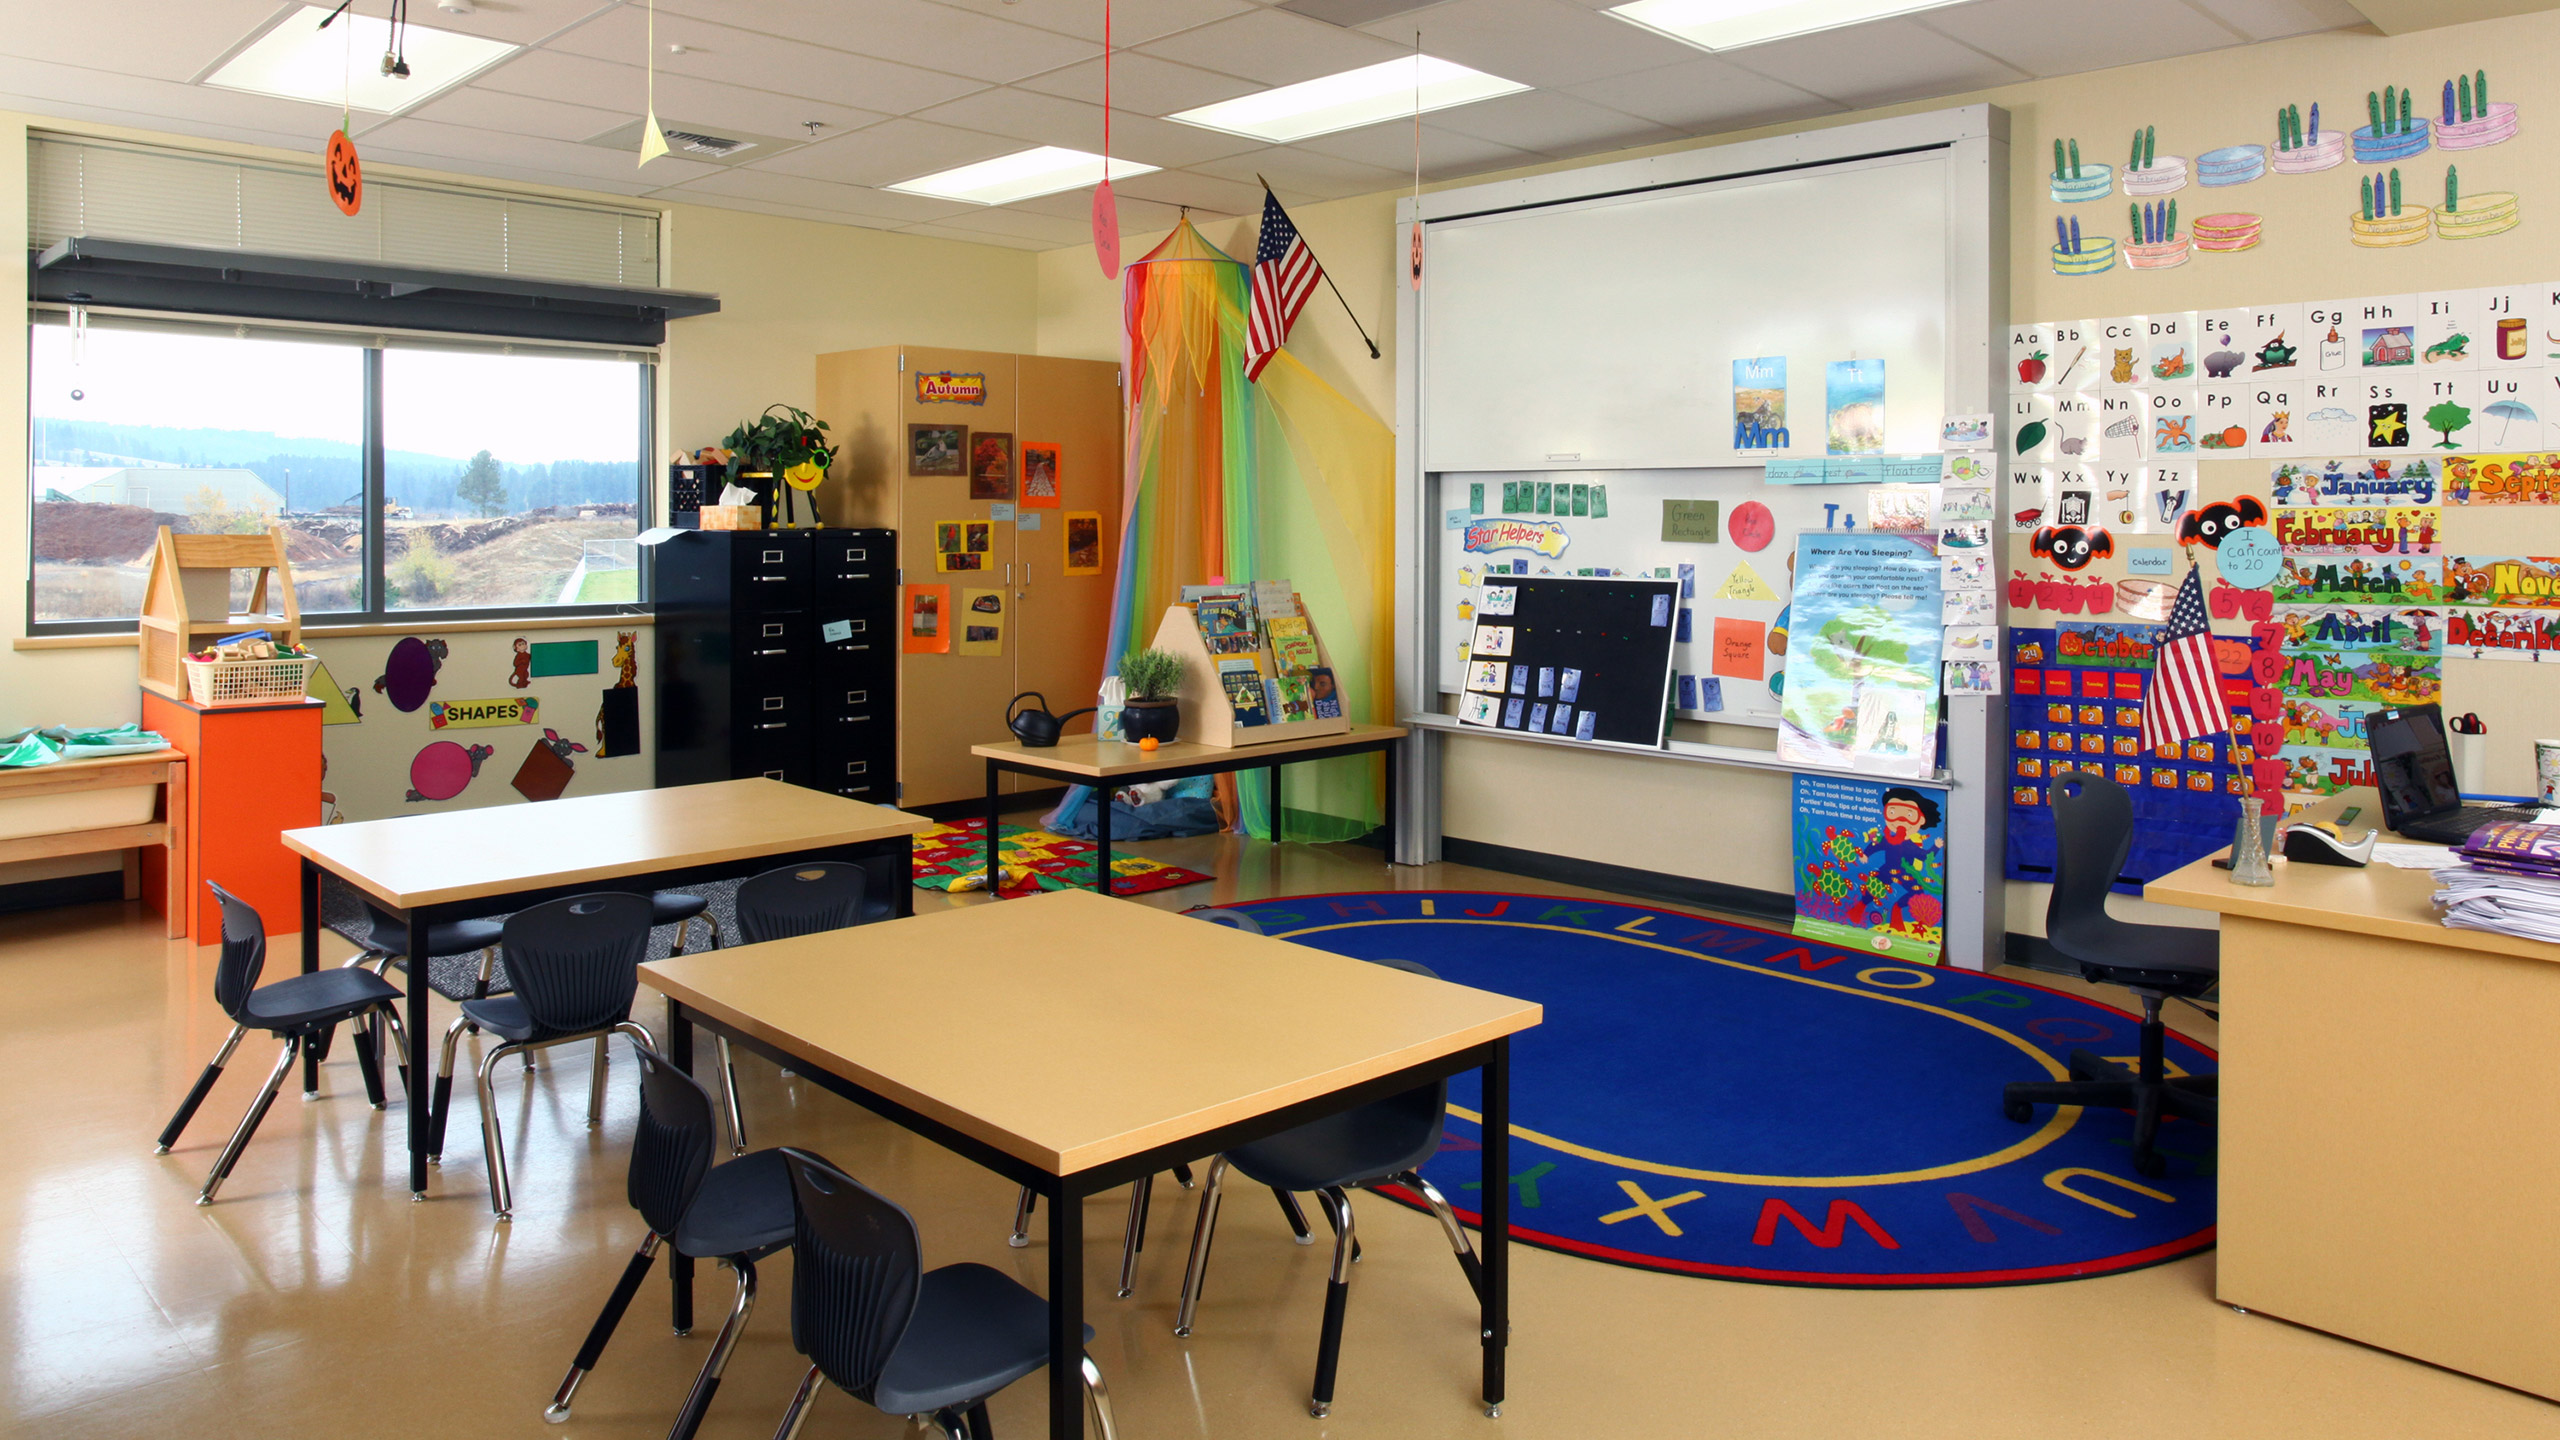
2074	182
2380	223
2471	119
2390	131
2145	173
2300	151
2231	165
2155	243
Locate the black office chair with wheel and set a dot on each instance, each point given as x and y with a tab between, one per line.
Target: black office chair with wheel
894	1335
2093	832
299	1010
737	1213
802	899
576	967
1385	1141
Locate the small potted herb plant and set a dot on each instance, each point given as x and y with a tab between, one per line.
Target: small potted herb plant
1153	679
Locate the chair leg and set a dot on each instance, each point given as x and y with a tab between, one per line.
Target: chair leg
440	1107
366	1064
729	1099
1100	1397
1182	1175
602	1331
952	1424
798	1414
684	932
595	1083
1196	1273
1337	1296
488	972
1141	1195
493	1142
707	1384
680	1293
981	1427
1449	1226
390	1014
1297	1217
177	1125
249	1123
1021	1235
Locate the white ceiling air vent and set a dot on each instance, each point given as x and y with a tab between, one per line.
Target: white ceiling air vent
1351	14
712	146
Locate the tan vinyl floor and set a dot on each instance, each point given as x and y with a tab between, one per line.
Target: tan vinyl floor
315	1299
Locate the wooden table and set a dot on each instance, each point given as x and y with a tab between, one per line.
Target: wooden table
1072	1043
165	769
461	864
1109	763
2390	1116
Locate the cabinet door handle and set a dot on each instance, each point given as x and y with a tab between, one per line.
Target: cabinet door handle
776	725
766	579
864	575
777	650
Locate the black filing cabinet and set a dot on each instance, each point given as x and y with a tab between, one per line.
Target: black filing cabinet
778	656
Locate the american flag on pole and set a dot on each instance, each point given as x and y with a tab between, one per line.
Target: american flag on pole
1285	273
2184	700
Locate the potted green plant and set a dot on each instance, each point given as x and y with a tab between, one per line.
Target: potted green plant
790	447
1153	679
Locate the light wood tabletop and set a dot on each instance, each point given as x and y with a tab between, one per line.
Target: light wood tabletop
1112	759
442	856
2377	900
1071	1029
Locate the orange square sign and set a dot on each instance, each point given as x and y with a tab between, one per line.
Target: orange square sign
1738	647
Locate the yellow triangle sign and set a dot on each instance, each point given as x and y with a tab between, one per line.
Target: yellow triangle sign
334	709
653	141
1745	584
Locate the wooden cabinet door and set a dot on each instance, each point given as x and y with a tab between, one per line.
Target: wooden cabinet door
1061	621
949	702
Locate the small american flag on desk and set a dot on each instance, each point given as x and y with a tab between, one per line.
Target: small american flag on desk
2184	700
1285	273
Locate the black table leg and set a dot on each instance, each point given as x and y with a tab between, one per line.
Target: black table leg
311	962
1495	1176
1102	838
420	1025
1275	802
904	851
679	1037
1066	1315
1387	812
995	806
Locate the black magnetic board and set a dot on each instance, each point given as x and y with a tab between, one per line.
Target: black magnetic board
1617	633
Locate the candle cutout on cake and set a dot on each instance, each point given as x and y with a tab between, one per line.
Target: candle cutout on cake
2468	217
2380	223
2074	254
2470	119
2075	181
2145	173
2390	132
2302	146
2155	243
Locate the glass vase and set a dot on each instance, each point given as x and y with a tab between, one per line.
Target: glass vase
2249	865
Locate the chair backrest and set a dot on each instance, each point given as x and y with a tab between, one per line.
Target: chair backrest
802	900
2092	834
671	1151
576	962
1425	1107
244	951
1232	919
856	1269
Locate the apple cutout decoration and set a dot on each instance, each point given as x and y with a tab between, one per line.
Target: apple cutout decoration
2031	369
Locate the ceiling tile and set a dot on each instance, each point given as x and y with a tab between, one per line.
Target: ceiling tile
1390	147
515	114
1875	64
1054	229
891	151
1297	173
1055	120
1207	193
558	75
1536	42
765	207
1704	95
2275	19
1552	123
308	122
914	32
819	197
523	174
1137	217
466	144
980	237
2069	37
1133	22
757	110
1142	83
177	42
1275	48
519	22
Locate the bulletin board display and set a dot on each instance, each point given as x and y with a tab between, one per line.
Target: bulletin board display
1730	619
1576	659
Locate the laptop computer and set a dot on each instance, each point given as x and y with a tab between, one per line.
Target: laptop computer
2413	768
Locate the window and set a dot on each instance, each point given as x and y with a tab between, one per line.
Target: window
409	476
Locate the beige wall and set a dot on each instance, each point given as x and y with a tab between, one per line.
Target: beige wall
1732	825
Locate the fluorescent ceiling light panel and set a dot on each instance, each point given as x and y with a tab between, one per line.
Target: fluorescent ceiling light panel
1732	24
1019	176
298	60
1351	99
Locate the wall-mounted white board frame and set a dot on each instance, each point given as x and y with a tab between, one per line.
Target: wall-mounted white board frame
1975	140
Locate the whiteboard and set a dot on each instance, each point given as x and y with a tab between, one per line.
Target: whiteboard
1601	333
1630	539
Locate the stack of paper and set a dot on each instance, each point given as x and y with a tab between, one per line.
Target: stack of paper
2505	879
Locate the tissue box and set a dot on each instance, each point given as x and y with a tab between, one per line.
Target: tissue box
732	517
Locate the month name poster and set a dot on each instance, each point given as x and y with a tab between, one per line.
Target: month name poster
1871	866
1862	654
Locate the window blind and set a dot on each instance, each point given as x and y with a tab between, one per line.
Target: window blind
111	190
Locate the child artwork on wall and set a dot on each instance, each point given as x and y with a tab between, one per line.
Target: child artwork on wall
410	672
990	466
521	656
440	770
547	768
1082	535
937	450
1854	406
1041	467
925	630
1760	403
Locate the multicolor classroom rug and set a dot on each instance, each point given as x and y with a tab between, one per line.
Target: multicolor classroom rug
954	857
1713	1099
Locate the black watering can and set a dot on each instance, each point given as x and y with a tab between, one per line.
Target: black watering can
1035	726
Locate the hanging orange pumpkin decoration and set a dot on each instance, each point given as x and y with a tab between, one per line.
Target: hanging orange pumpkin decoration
346	177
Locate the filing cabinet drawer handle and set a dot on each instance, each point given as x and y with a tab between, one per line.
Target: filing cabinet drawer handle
776	725
865	575
767	579
777	650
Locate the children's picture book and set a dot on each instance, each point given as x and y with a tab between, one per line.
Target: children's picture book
1273	598
1293	645
1241	678
1226	614
1324	697
1291	699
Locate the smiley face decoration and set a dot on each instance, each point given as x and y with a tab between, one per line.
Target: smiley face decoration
346	177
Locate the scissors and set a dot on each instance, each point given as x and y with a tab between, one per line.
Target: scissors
2467	724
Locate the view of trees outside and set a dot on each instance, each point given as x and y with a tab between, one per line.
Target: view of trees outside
509	479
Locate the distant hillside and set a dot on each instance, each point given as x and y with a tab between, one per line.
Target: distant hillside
316	474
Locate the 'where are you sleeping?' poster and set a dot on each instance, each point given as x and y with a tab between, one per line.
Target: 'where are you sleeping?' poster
1862	654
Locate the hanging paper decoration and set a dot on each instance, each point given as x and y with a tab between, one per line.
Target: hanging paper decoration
1106	209
346	176
653	140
